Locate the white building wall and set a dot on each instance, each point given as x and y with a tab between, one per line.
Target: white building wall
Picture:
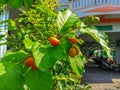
115	26
64	2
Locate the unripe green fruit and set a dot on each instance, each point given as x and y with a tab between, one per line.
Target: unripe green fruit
96	19
77	49
88	19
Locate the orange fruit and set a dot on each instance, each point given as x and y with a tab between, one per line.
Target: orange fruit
30	63
54	41
72	52
73	40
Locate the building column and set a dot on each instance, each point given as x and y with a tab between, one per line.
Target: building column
117	51
3	31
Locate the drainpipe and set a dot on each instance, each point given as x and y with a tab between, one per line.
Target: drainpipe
3	31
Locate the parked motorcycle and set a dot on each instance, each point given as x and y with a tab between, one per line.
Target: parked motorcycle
106	64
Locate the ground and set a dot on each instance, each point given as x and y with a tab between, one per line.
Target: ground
100	79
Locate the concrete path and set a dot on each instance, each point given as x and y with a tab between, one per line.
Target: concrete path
101	79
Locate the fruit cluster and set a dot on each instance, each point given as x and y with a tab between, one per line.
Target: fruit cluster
74	50
30	63
92	19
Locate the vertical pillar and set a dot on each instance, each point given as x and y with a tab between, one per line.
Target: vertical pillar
117	51
3	31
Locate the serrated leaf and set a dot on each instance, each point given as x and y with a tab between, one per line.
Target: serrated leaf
77	64
100	37
46	56
37	80
2	69
12	79
28	43
15	56
66	19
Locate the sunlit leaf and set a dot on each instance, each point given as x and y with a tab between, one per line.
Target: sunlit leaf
66	19
99	37
46	56
13	78
15	56
12	23
28	43
77	64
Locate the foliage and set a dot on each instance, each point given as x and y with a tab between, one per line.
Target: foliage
99	37
65	78
30	35
17	4
14	74
1	9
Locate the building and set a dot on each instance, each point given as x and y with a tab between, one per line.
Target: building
109	13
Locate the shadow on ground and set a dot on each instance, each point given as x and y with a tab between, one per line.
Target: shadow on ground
93	74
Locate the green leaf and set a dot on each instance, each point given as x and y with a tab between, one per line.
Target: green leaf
12	23
100	37
37	80
2	69
1	37
38	1
4	1
16	3
66	19
12	79
4	22
77	64
15	56
46	56
28	3
28	43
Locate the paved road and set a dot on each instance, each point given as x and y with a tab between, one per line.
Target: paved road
100	79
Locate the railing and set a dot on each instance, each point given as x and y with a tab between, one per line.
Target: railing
85	3
62	7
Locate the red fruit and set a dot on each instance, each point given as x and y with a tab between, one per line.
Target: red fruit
30	63
33	66
54	41
74	40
